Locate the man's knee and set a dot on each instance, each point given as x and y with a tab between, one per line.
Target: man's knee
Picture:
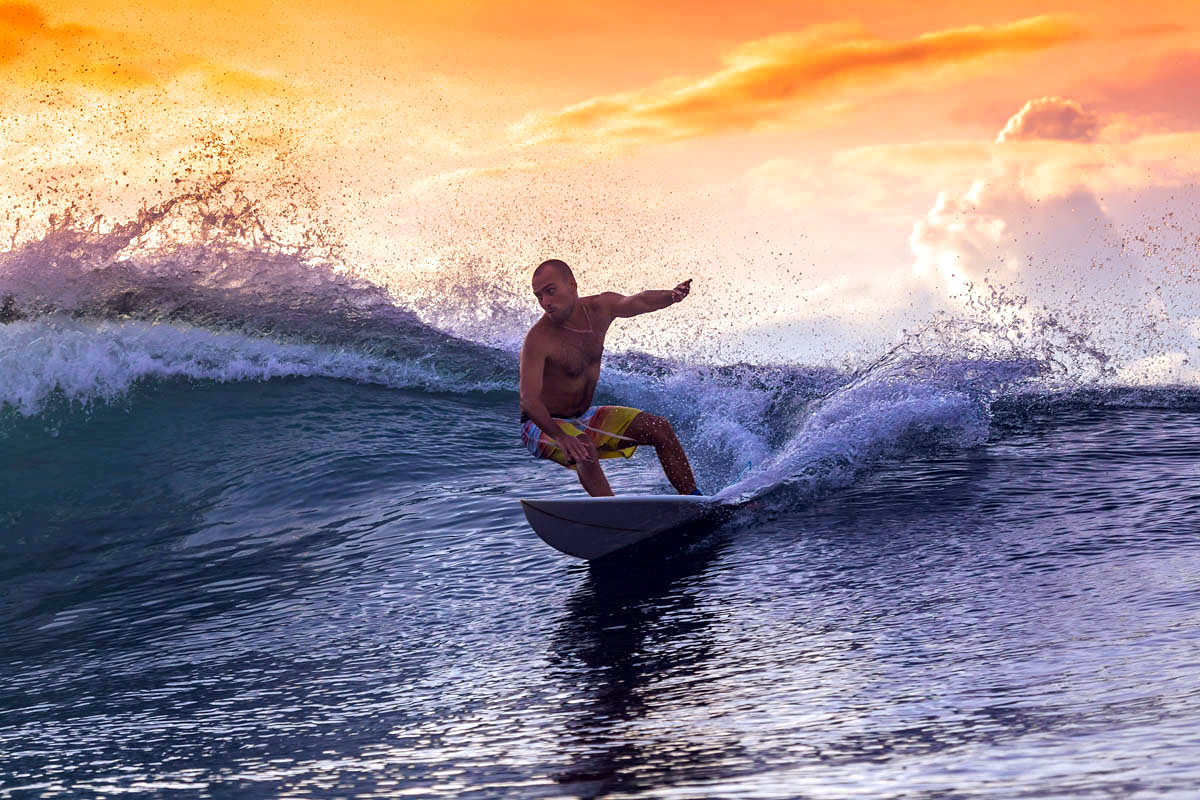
658	429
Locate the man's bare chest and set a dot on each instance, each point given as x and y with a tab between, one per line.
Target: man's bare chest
575	355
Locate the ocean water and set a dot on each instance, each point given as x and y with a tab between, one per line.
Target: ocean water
266	542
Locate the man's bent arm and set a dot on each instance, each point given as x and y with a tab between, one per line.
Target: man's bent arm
533	363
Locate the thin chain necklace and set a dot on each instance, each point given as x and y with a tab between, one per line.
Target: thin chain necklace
589	321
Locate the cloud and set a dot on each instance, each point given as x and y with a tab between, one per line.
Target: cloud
1051	118
796	78
995	229
1052	175
1052	147
1101	232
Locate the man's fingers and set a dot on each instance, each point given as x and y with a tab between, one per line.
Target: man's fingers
577	450
681	291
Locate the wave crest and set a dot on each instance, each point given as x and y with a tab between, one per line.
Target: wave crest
86	360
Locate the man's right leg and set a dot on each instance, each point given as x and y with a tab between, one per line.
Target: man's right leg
592	476
593	479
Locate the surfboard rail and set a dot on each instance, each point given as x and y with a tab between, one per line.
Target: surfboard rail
593	527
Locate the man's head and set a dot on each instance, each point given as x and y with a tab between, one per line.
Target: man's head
554	286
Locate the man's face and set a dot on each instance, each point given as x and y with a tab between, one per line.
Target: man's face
556	294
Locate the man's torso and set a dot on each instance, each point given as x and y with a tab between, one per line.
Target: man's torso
572	361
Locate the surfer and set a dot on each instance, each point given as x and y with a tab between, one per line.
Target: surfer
560	365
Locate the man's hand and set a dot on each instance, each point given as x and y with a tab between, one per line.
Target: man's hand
578	449
681	291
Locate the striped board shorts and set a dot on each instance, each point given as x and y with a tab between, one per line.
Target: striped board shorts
604	425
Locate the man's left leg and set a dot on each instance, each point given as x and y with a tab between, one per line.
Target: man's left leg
657	431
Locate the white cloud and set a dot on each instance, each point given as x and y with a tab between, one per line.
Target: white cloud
1064	232
1051	118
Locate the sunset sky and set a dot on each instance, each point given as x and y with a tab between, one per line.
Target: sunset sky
827	173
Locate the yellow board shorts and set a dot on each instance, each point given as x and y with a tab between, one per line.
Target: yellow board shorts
603	425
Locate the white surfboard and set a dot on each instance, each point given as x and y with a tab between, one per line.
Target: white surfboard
591	527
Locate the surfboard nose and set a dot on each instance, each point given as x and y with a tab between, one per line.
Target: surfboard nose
593	527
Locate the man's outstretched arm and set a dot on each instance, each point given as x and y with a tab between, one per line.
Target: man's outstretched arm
644	302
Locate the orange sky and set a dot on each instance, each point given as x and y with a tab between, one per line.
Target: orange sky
790	155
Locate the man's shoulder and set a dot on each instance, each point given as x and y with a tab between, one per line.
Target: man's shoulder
537	333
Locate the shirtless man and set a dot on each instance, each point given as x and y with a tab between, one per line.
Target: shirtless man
560	365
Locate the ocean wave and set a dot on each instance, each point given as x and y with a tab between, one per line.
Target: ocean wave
88	360
793	431
897	409
87	314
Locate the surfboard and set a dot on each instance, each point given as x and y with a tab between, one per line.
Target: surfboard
593	527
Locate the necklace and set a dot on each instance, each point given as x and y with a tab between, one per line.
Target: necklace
589	322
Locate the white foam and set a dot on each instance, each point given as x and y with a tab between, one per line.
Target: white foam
87	360
862	425
723	424
805	432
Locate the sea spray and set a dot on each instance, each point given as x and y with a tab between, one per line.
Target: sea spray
198	286
202	287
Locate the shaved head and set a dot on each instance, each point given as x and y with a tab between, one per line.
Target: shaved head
559	267
554	286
